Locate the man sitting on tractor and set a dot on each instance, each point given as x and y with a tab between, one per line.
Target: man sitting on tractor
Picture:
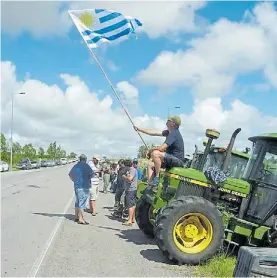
170	153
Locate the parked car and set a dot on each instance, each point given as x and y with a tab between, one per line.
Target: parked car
35	164
24	164
43	163
51	163
4	166
64	161
58	162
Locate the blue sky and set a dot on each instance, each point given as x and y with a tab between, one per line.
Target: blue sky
47	57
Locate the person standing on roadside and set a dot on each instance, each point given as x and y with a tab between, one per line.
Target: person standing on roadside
113	178
130	184
136	165
119	188
106	177
94	190
81	175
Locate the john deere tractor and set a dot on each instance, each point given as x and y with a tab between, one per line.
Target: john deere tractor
148	205
199	215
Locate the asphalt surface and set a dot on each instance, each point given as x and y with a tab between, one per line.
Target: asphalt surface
40	238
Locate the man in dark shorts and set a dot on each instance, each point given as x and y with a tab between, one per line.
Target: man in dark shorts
130	185
170	154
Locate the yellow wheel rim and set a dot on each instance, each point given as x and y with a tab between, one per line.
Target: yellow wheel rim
193	233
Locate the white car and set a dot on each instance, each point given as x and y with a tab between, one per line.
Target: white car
64	161
4	166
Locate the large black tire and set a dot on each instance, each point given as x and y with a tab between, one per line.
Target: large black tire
169	216
273	244
142	217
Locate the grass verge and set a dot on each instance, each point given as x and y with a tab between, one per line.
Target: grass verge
219	266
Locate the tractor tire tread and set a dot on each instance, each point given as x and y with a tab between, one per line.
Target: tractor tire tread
141	216
175	206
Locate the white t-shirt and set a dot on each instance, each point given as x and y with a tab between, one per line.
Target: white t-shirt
96	170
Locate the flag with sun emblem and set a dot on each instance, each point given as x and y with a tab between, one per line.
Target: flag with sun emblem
100	25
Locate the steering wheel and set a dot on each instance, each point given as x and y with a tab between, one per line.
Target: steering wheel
267	171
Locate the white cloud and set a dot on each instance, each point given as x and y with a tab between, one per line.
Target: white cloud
43	19
112	66
212	63
129	91
129	96
82	121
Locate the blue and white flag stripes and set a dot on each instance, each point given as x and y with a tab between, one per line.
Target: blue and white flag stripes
100	25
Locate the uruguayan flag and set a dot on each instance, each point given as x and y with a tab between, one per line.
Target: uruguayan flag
100	25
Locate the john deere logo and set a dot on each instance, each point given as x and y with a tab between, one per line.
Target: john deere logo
87	19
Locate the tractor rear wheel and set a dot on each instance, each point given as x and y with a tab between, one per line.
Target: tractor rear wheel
143	215
189	230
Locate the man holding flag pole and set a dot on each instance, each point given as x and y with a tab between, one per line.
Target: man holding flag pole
97	26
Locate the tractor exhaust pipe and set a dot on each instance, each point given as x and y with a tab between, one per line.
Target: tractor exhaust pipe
229	149
194	156
211	134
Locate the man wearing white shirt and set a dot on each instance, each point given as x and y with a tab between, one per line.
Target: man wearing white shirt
94	190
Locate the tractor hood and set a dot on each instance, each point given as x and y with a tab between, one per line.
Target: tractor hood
233	186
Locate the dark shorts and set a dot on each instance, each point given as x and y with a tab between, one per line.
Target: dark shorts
81	195
130	198
172	161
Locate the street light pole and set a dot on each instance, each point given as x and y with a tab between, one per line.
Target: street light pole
11	156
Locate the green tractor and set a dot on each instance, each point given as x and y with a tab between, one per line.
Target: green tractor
148	205
199	216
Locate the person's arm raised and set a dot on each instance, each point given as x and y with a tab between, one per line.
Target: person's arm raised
151	132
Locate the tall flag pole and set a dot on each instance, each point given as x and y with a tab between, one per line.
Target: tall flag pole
99	26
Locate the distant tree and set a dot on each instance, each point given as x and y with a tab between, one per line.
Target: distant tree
143	150
52	150
63	153
28	151
17	152
72	155
4	148
58	152
41	152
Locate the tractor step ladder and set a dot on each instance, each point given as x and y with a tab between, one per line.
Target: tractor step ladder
230	242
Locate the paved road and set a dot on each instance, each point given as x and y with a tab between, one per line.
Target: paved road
26	196
40	238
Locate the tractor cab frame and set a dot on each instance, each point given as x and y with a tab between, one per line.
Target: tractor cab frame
261	172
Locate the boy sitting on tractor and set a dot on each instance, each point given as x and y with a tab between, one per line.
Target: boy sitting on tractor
169	154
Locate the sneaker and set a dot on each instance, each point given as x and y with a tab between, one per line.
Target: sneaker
155	182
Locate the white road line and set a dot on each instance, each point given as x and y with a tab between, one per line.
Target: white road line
43	253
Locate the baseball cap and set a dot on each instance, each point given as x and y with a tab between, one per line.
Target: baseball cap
135	160
82	156
96	156
175	119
